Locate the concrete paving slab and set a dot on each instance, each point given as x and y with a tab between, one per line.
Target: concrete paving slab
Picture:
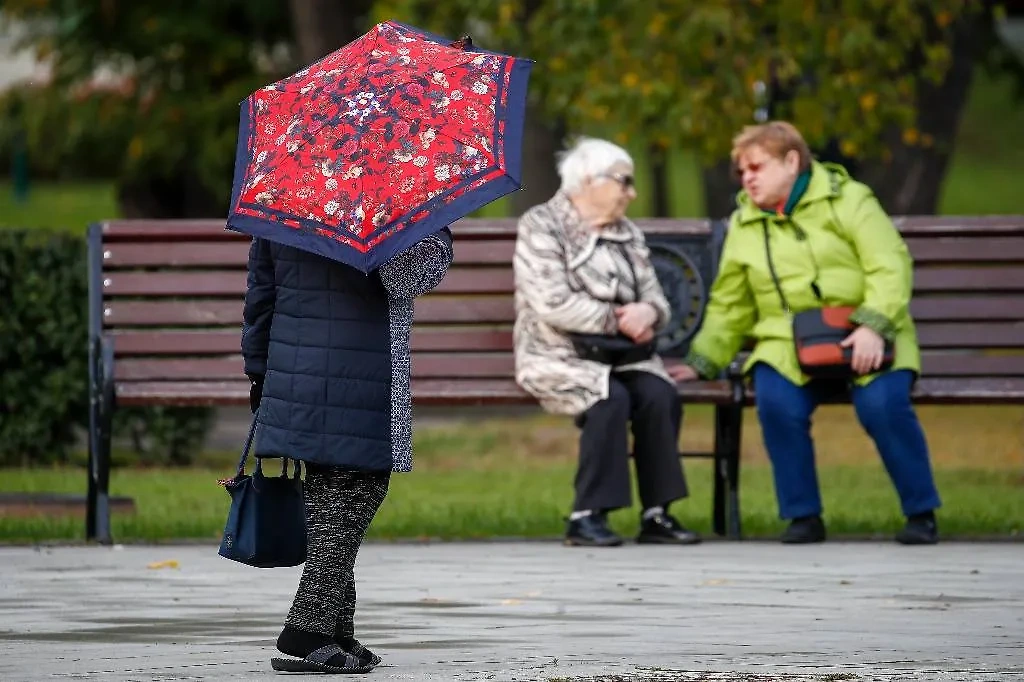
534	611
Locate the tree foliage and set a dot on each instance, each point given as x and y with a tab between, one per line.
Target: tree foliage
178	71
854	75
669	71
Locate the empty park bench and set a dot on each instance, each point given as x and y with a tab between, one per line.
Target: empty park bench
165	309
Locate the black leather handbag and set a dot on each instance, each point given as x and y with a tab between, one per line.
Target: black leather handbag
611	349
614	349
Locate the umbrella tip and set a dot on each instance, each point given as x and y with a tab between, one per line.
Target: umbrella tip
463	43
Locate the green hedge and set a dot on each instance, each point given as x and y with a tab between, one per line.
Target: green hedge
44	362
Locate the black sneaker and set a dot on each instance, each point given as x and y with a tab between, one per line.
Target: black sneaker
591	531
804	530
921	529
663	529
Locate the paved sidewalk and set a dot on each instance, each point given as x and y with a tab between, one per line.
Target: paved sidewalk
534	611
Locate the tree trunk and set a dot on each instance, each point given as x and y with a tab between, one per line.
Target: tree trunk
911	182
542	139
322	26
660	191
719	190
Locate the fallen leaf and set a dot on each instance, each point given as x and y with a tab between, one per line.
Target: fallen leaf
169	563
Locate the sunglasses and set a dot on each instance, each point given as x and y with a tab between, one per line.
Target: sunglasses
624	179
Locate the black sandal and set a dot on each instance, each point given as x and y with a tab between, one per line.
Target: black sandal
365	656
316	662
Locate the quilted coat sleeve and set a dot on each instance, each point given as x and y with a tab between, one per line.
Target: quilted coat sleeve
729	317
420	268
542	280
260	294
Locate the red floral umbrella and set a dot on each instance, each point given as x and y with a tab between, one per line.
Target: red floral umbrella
379	144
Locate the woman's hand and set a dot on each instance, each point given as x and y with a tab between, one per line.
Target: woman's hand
868	349
636	320
682	372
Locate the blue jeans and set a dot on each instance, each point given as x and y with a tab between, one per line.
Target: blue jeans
884	410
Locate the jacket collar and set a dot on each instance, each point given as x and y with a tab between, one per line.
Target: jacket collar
826	183
580	239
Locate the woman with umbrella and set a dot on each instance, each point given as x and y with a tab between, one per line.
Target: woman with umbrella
327	350
347	176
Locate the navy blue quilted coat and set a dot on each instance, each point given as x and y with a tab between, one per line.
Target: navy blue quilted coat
333	346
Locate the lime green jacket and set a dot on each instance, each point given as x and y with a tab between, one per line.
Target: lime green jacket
837	236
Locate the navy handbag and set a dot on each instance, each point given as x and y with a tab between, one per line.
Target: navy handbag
266	525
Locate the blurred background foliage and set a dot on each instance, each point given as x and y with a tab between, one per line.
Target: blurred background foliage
146	93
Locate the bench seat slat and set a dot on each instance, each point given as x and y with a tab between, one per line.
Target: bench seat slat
209	312
938	391
501	365
977	335
227	312
427	365
234	254
967	308
964	279
175	254
227	341
499	308
424	391
483	280
966	249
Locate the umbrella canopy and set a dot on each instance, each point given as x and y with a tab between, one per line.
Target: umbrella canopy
379	144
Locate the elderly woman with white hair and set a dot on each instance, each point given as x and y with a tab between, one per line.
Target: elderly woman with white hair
588	305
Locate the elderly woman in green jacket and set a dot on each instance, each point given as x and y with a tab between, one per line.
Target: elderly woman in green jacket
831	244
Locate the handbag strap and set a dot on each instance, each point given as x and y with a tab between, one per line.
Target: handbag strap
297	473
771	267
297	464
632	271
248	444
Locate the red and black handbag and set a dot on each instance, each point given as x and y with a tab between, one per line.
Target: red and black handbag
818	333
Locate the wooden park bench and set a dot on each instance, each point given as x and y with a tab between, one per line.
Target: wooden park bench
165	310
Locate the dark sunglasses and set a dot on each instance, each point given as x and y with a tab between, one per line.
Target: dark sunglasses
623	179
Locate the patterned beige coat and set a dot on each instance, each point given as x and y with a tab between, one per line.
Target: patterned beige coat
570	278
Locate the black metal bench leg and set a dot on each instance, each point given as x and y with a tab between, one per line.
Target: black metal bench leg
726	509
101	399
732	465
719	473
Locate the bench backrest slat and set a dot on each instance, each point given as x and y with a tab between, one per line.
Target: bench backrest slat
172	299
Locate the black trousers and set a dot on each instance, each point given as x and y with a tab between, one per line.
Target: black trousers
652	407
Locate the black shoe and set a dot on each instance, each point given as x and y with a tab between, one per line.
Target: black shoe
663	529
921	529
591	531
803	530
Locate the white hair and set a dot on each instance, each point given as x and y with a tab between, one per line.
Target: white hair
588	157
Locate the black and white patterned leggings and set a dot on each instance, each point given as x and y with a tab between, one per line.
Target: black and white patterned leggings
340	505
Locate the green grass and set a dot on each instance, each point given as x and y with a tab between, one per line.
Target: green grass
512	477
469	504
984	173
67	206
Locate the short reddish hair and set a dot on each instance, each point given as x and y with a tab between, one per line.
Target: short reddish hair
778	138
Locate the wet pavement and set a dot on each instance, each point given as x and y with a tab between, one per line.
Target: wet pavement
533	611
